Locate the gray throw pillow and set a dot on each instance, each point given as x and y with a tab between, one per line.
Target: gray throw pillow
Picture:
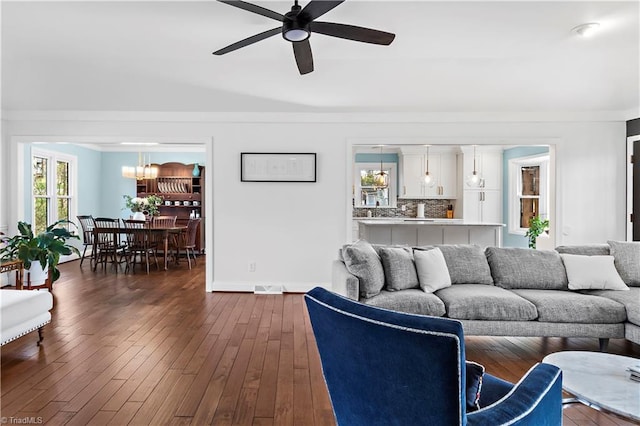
626	257
467	264
527	268
399	269
585	249
362	261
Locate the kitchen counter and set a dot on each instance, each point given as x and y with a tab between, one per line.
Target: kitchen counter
427	231
423	221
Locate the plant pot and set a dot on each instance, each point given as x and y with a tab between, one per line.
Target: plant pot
138	216
36	275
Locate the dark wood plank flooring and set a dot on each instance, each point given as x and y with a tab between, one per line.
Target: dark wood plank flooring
156	349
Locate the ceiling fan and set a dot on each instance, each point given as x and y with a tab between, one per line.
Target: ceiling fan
297	26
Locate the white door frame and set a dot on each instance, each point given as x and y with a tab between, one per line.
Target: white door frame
627	219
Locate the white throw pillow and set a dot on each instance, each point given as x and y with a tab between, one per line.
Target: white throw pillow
433	273
592	273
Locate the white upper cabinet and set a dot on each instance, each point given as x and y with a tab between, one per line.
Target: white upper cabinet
442	167
488	164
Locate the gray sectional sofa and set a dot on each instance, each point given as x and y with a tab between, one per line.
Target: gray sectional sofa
573	291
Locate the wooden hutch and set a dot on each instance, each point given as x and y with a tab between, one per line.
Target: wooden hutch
182	193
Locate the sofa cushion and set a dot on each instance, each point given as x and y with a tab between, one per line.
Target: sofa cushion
527	268
399	269
592	273
627	260
585	249
412	301
485	302
467	264
571	307
432	270
630	299
362	261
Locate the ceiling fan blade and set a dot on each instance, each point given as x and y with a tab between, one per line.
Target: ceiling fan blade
351	32
316	8
304	58
247	41
255	9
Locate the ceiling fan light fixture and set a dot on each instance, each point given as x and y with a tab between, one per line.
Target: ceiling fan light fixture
293	29
296	34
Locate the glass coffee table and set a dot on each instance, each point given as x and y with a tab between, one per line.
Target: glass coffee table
599	380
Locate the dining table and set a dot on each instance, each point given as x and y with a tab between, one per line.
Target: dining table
163	231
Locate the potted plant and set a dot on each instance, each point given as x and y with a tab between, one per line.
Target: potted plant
39	253
143	205
536	227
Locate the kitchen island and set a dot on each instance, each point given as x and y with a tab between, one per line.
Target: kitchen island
427	231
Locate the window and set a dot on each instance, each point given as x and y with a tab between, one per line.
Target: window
528	191
52	188
367	193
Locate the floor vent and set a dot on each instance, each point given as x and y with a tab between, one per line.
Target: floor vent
267	289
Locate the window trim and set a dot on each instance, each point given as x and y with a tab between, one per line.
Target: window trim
393	180
52	158
515	190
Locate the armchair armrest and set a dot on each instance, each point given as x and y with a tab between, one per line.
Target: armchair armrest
344	282
535	400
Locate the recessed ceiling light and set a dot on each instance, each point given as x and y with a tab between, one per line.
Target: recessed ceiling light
586	30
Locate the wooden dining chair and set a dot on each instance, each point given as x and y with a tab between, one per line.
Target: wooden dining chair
164	222
87	224
187	241
139	242
108	245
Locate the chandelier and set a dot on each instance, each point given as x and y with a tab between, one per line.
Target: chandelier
141	171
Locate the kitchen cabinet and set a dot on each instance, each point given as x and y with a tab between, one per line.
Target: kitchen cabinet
482	206
442	166
488	164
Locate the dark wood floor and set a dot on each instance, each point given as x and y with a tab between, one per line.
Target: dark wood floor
156	349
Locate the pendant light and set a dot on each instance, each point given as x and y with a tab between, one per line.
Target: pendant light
474	180
141	171
381	179
429	180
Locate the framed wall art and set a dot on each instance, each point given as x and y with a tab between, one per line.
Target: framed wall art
278	167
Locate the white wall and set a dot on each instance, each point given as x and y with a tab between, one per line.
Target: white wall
292	230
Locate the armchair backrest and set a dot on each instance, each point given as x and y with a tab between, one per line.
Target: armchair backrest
386	367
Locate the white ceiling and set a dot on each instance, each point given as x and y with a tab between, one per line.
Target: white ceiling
447	57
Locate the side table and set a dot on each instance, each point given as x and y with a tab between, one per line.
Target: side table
14	265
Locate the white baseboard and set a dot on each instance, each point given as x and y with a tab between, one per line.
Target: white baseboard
245	286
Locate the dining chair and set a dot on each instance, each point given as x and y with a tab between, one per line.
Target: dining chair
87	224
108	245
164	222
187	241
139	242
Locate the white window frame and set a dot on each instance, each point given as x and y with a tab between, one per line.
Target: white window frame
52	160
390	168
515	189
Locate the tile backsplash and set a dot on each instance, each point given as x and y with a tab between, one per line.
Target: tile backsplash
432	208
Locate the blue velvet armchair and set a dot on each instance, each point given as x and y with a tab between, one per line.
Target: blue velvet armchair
390	368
